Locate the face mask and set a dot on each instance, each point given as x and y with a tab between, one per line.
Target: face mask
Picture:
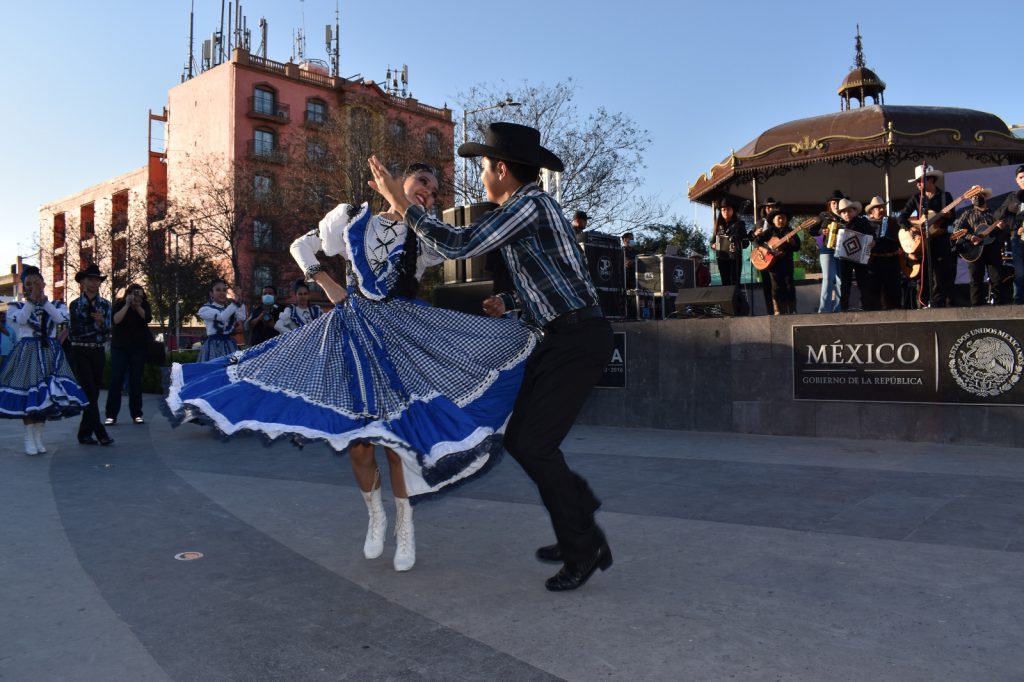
268	299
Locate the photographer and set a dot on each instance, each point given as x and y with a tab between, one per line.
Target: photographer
128	341
263	318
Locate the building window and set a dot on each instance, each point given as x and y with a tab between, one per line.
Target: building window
433	143
58	269
119	212
59	227
262	234
396	129
88	218
262	185
316	152
264	142
264	101
262	276
316	112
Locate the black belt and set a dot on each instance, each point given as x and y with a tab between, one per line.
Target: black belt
80	344
568	319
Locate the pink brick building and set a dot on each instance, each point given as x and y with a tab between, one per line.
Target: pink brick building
238	135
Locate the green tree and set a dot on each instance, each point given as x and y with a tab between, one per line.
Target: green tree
679	232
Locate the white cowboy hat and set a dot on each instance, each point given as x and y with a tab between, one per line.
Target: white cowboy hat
875	201
849	203
929	172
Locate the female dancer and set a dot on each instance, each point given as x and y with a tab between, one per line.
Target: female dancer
434	386
300	312
36	382
223	318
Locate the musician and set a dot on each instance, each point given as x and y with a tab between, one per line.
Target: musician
939	267
729	225
780	272
629	259
884	271
824	232
851	219
769	207
976	220
1012	214
579	224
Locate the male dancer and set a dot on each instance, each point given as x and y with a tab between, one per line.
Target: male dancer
554	292
90	328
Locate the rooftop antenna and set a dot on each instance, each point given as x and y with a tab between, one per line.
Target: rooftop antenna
188	74
299	49
238	23
262	49
335	51
221	34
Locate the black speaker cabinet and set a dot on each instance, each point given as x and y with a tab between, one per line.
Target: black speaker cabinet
710	301
472	269
466	297
607	266
664	274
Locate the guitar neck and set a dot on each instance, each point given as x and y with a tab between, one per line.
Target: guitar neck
802	226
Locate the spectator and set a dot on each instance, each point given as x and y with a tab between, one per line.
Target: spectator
128	341
300	312
261	322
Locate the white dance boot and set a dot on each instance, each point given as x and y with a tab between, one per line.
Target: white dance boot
37	433
30	440
405	551
378	526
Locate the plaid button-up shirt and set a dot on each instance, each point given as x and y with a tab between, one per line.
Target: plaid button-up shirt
85	329
538	246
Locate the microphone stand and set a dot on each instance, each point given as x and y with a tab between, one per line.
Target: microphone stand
923	218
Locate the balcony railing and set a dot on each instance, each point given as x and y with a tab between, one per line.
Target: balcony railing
314	119
258	150
262	108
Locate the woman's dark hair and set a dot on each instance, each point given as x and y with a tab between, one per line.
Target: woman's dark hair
132	288
28	271
214	283
300	283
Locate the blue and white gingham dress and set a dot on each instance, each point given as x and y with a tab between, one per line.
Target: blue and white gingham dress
35	379
436	386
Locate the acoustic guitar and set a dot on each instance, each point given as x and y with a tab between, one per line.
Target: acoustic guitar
764	255
910	240
966	247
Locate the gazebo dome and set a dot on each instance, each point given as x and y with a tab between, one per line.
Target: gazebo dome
861	83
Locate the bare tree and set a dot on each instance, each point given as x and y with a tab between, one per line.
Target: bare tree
603	153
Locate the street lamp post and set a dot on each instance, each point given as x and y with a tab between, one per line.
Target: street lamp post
507	102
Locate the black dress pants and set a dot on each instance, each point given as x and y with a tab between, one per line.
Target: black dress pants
990	262
125	361
556	381
88	364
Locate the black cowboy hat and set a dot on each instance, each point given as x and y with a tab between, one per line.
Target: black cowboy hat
92	271
515	143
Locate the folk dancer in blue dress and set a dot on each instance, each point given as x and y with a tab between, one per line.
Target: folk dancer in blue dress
554	291
223	319
300	311
36	382
90	322
435	387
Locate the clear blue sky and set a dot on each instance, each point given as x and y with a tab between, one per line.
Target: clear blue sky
79	77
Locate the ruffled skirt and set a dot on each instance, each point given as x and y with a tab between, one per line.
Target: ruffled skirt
434	385
216	346
36	381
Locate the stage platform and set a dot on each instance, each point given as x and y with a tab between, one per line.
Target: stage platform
736	374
